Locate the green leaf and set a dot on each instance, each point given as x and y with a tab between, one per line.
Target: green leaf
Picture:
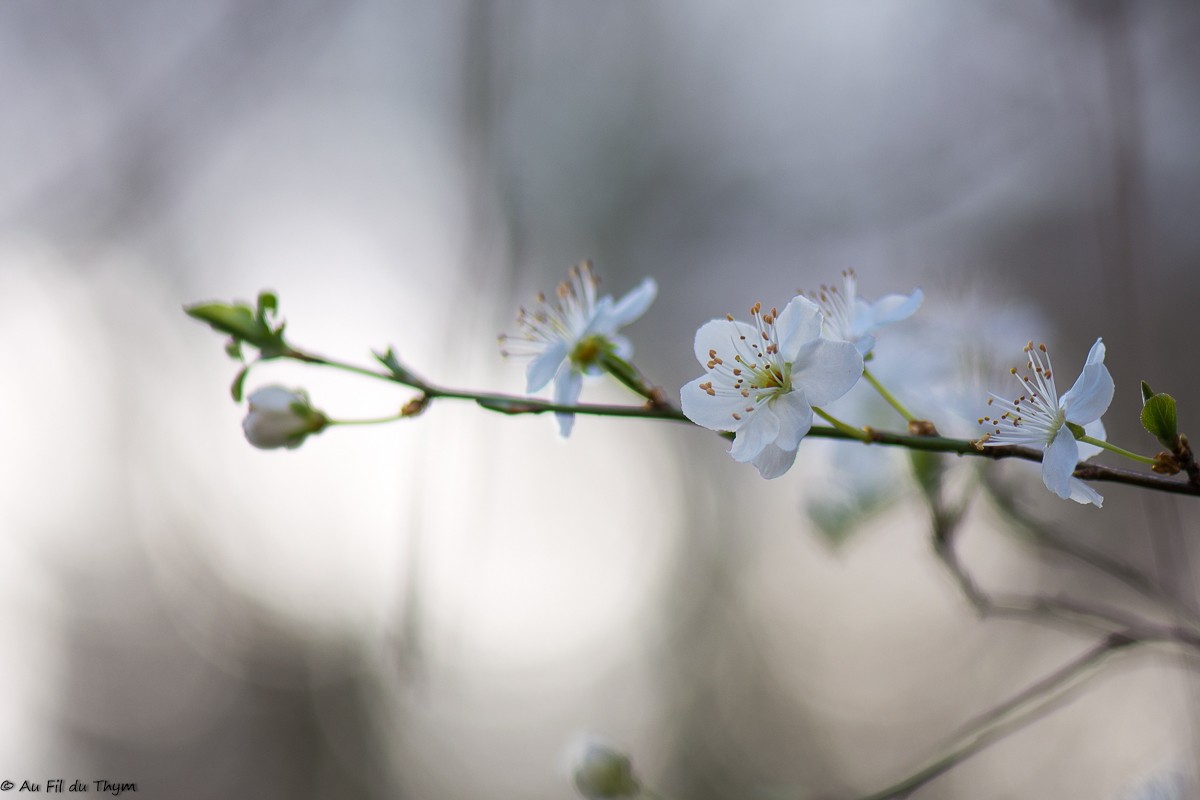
1158	418
233	348
239	382
1147	392
236	320
393	365
268	303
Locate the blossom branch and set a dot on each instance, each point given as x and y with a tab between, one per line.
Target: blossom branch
661	409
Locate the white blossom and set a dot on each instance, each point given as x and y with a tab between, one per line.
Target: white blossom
570	337
763	379
280	417
850	318
1039	418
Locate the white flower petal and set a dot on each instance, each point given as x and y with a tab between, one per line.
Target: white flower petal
861	321
1096	431
759	430
799	322
1058	462
543	367
894	308
714	412
773	461
1083	493
275	398
826	370
1089	398
721	335
634	304
795	419
272	420
622	347
567	386
864	344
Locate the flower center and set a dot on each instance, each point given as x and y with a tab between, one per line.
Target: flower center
590	350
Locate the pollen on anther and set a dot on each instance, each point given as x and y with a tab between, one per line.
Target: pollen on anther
736	415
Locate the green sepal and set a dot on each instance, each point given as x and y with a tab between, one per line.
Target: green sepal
1159	420
239	382
1147	392
625	372
1076	430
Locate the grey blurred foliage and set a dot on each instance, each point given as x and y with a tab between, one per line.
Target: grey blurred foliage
1040	154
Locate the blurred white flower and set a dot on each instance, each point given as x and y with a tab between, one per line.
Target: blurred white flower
1040	418
762	381
280	417
850	318
571	336
601	771
1168	786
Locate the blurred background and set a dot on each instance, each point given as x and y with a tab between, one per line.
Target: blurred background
439	608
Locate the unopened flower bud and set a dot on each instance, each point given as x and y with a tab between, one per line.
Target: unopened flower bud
280	417
602	772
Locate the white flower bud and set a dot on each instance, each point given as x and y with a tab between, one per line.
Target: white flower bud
280	417
604	773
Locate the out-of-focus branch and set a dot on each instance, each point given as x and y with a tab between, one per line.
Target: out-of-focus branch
1121	631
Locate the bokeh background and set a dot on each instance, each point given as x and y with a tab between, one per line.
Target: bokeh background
439	608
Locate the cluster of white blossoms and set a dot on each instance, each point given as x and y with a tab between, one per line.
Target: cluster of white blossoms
765	379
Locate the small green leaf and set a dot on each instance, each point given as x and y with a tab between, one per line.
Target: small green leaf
268	303
233	348
393	366
1147	392
239	382
1158	418
236	320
